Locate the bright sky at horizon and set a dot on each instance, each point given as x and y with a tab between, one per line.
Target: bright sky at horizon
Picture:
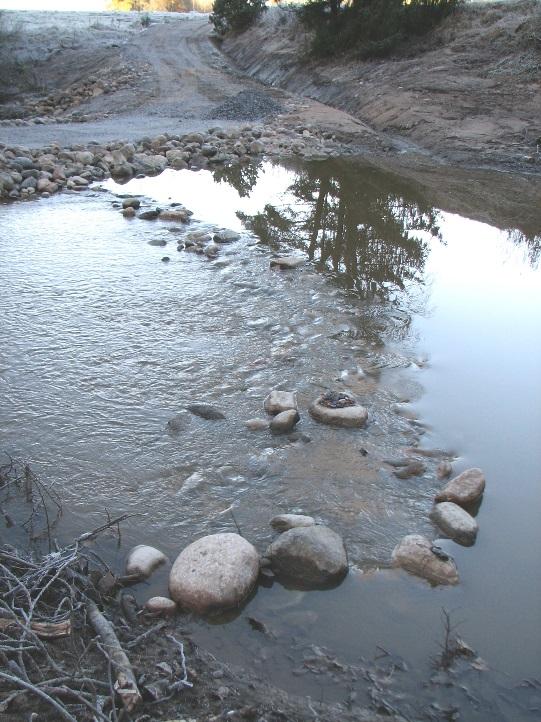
82	5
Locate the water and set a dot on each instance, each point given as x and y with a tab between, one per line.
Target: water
431	318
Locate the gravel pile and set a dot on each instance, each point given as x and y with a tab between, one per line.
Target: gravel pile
246	105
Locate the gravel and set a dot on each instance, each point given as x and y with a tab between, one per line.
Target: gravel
246	105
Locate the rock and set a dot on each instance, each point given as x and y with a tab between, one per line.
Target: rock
464	489
206	411
339	409
131	203
285	522
455	522
412	468
416	554
226	236
444	470
310	556
179	422
166	259
279	401
287	262
157	242
216	572
177	216
149	215
257	424
143	560
284	422
128	212
212	250
161	605
256	147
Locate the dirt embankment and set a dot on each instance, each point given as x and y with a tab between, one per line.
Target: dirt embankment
470	92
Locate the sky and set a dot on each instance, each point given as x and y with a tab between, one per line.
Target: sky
84	5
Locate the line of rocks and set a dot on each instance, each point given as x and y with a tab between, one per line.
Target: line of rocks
29	173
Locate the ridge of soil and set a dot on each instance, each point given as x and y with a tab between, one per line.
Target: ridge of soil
468	93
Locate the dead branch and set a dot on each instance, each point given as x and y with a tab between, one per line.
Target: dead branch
126	684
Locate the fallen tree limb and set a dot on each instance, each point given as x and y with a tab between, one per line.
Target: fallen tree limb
126	684
36	690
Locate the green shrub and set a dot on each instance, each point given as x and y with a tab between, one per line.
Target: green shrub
371	28
145	20
235	14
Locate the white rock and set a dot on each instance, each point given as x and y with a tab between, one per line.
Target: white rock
310	556
215	572
455	522
414	554
143	559
286	263
161	605
284	422
278	401
285	522
464	489
348	416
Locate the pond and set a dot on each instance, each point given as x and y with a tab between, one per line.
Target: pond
431	318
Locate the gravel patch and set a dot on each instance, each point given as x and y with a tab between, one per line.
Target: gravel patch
246	105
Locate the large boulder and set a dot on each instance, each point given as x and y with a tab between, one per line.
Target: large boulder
279	401
215	572
311	556
418	555
339	409
455	522
464	489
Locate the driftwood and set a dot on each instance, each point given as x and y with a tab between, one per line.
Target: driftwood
126	684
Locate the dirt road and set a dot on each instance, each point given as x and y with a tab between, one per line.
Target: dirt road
182	77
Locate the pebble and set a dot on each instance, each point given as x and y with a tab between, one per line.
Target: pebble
143	559
285	522
161	605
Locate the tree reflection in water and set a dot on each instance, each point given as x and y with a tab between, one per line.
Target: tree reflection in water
365	227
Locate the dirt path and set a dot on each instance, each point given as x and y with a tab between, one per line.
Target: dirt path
182	78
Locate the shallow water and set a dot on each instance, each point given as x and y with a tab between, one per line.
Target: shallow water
431	318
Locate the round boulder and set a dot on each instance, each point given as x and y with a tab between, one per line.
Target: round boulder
339	409
215	572
284	422
419	556
161	605
311	556
455	522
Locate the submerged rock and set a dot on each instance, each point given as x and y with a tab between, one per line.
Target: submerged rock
417	555
412	468
455	522
149	215
161	605
206	411
284	422
310	556
143	559
444	470
216	572
134	203
257	424
285	522
279	401
339	409
286	263
464	489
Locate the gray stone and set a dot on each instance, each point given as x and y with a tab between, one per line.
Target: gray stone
131	203
284	422
286	263
143	559
351	416
285	522
226	236
311	556
216	572
412	468
157	242
206	411
464	489
415	554
455	522
149	215
279	401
